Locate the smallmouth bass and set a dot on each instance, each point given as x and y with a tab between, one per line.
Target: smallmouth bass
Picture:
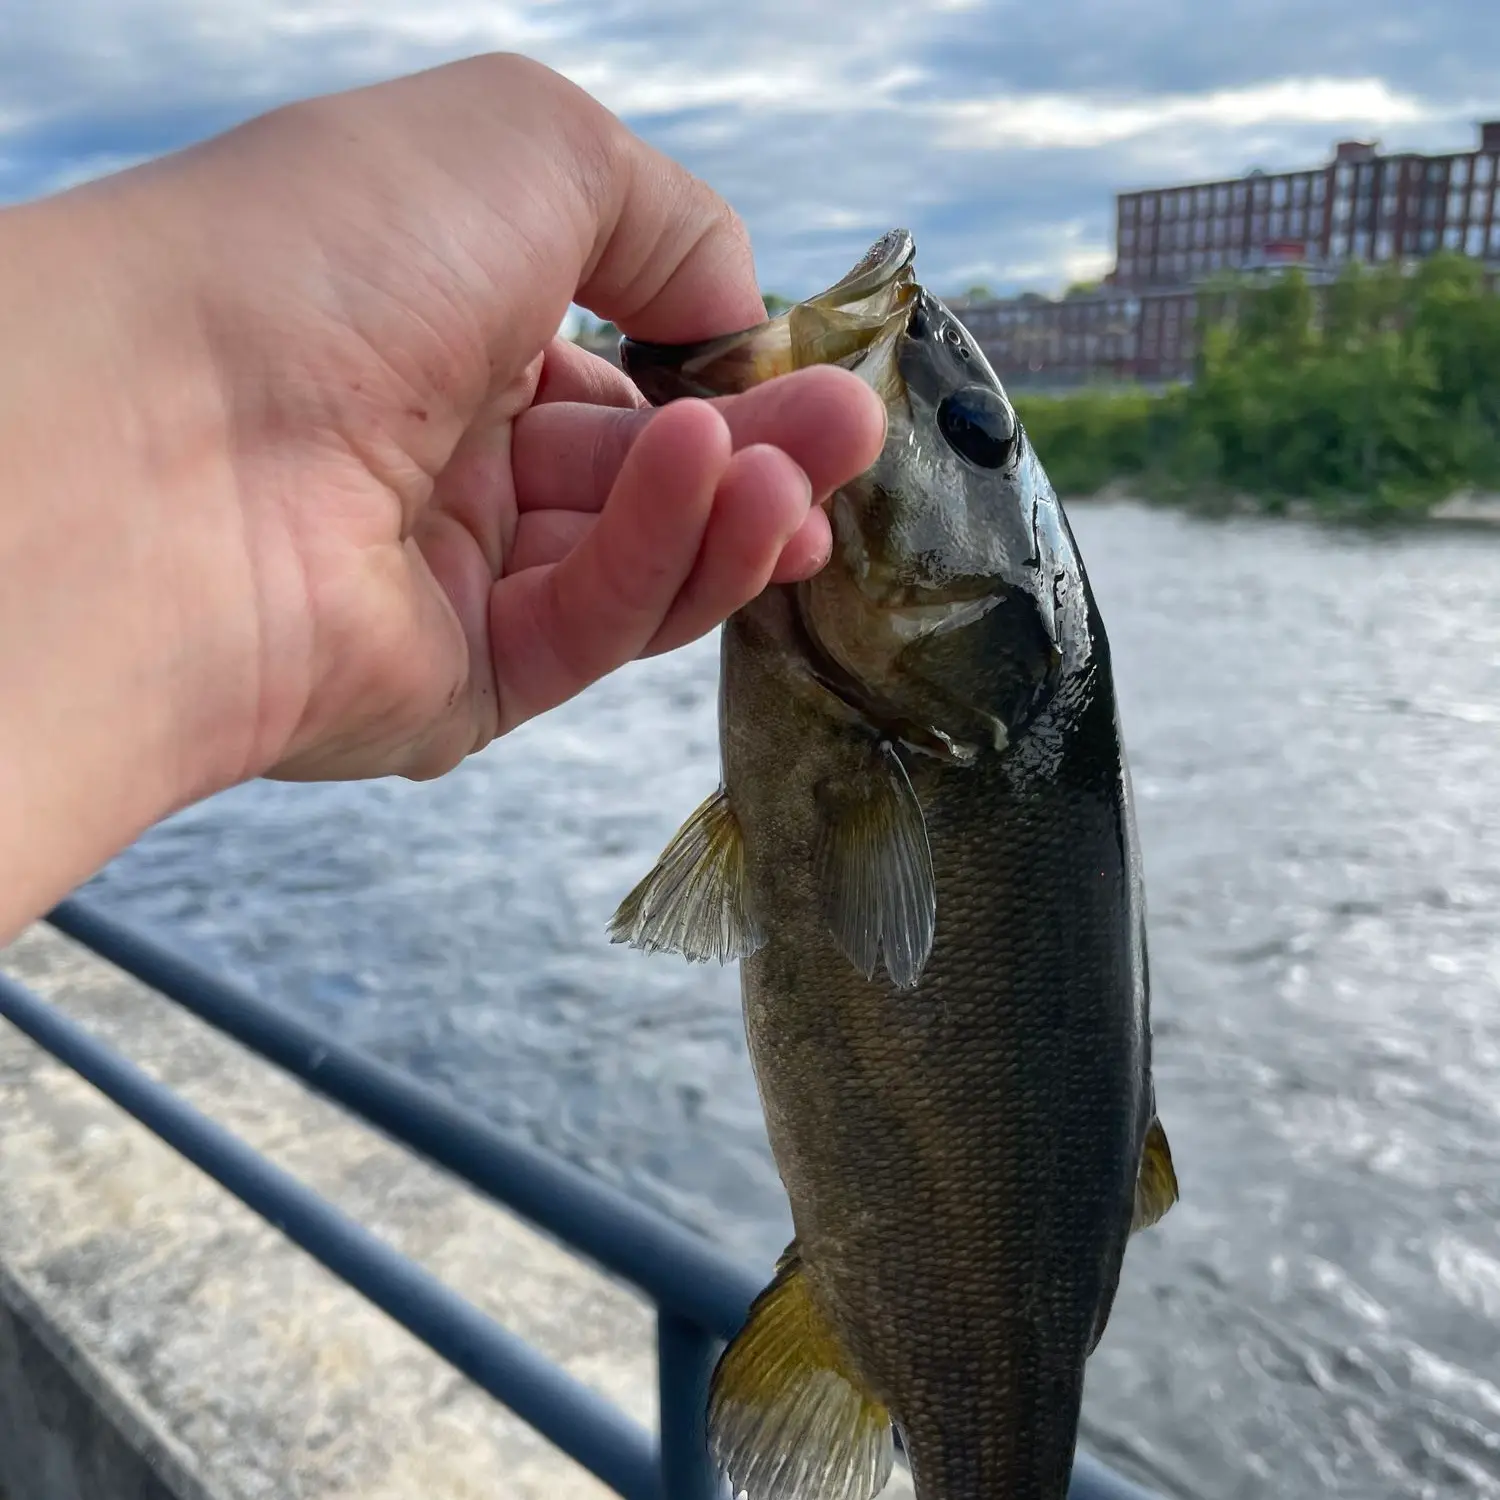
923	853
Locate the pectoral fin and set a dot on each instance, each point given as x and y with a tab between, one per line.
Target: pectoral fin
875	871
693	901
1156	1185
787	1418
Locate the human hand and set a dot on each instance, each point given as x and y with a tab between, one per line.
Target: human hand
419	518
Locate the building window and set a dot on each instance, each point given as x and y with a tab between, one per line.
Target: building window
1127	238
1455	205
1495	239
1436	171
1237	195
1299	190
1221	198
1278	192
1429	210
1184	203
1344	176
1383	245
1261	192
1341	210
1429	240
1204	197
1148	209
1460	173
1474	243
1479	205
1388	206
1452	237
1319	189
1362	244
1484	168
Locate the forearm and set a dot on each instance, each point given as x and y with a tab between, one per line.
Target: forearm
102	623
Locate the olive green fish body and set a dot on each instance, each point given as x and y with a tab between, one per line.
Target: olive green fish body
961	1157
923	852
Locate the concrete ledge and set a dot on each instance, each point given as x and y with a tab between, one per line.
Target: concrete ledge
159	1340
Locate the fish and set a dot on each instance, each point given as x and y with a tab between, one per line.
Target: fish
923	854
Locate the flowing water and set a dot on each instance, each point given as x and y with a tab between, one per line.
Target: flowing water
1313	719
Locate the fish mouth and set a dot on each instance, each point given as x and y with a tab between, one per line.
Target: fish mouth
841	326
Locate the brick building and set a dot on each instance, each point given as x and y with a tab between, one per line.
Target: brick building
1035	340
1362	205
1141	323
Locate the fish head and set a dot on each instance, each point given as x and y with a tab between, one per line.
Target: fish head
954	603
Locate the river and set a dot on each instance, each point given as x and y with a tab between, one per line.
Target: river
1313	720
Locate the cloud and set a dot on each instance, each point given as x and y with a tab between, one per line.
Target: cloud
1042	121
997	131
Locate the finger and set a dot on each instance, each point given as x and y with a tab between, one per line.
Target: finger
761	503
476	487
554	630
808	550
672	262
576	375
547	536
827	420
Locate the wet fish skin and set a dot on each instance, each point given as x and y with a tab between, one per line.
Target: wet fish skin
960	1132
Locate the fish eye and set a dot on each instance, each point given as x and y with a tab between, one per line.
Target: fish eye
978	425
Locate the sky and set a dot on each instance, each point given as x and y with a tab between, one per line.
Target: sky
997	131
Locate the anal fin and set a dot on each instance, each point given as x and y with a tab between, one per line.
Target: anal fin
787	1418
1156	1183
693	900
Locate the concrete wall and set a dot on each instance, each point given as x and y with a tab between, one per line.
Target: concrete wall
65	1434
160	1342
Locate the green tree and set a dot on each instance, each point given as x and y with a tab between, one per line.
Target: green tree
1378	388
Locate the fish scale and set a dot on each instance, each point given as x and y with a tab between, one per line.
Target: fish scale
925	828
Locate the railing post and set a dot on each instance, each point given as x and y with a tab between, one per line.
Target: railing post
684	1360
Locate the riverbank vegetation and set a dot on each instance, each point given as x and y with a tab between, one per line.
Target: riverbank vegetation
1379	391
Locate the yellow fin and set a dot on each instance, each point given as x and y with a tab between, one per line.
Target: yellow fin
787	1419
1156	1185
693	900
875	871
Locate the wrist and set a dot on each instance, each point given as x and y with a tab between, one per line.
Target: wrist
117	703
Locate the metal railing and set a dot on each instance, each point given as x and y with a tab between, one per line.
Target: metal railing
701	1297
